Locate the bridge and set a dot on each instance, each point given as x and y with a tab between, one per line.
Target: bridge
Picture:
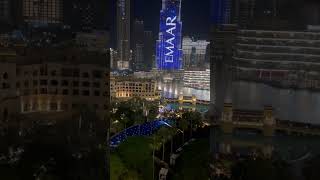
263	121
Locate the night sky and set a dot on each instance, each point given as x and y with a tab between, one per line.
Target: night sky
195	15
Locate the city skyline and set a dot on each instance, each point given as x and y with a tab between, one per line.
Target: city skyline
159	89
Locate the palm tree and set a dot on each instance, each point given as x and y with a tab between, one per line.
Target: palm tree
163	134
193	119
155	146
171	133
183	124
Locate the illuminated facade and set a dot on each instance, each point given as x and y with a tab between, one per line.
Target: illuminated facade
129	87
42	12
197	79
169	46
123	34
194	53
53	82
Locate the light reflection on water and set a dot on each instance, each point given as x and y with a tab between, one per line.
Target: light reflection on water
293	105
175	88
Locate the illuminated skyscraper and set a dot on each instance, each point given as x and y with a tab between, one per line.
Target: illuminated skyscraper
123	33
221	11
169	45
194	53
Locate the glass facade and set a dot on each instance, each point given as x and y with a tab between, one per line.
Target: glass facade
169	45
221	12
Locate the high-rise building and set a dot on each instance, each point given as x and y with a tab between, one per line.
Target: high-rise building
10	14
93	41
82	17
169	45
42	13
4	10
221	12
113	58
138	46
138	30
148	52
221	49
86	15
244	12
194	53
123	33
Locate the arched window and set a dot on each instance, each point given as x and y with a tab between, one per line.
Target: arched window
5	115
5	75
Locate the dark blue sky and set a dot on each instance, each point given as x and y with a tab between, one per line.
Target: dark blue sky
195	15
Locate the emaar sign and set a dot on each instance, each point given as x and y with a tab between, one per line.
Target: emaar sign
169	50
170	47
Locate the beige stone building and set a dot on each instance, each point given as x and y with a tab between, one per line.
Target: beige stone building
128	87
51	83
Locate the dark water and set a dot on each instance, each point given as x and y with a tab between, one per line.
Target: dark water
287	147
293	105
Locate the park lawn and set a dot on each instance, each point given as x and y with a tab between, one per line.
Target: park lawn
117	168
133	155
193	162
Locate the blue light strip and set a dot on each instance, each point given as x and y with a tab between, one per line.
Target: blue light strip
146	129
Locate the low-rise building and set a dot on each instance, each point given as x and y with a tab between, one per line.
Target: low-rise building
126	87
53	81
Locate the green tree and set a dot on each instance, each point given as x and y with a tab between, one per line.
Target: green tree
183	125
163	135
193	118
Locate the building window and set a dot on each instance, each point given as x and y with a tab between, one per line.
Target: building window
64	107
97	74
76	73
96	84
54	91
18	72
34	106
75	92
54	83
43	82
53	73
35	73
75	83
86	84
65	92
44	71
85	75
65	83
53	106
5	75
25	107
86	93
43	91
5	115
35	83
5	86
26	84
96	93
26	92
74	106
